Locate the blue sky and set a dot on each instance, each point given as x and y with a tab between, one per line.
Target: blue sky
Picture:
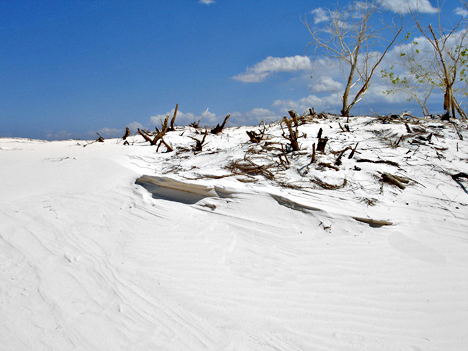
72	68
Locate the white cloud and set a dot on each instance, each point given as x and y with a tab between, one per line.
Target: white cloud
461	11
405	6
134	126
270	65
325	84
61	135
254	117
184	119
320	15
327	103
206	2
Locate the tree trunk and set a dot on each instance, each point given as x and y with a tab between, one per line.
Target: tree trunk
349	84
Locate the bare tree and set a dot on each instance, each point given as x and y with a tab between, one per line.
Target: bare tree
352	35
438	59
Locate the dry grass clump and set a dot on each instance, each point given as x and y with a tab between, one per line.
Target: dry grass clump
247	167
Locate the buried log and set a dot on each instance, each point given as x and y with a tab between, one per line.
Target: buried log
392	163
395	180
373	222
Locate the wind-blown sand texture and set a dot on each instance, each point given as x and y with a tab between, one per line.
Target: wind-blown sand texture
112	247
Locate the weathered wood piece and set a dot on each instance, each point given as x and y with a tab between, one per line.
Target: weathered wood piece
219	128
322	142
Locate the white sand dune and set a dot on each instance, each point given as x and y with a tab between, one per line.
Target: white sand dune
113	247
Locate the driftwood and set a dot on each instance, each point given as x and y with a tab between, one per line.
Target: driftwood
395	180
313	154
392	163
322	142
255	137
319	134
100	139
353	151
408	129
456	178
293	133
219	128
172	128
127	133
338	159
458	131
328	165
373	222
327	186
168	147
198	147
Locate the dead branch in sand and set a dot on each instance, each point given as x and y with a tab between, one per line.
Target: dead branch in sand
255	137
373	222
456	178
328	186
219	128
395	180
353	151
198	147
172	128
127	133
293	132
322	142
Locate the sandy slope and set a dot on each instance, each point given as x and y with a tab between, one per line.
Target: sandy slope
92	261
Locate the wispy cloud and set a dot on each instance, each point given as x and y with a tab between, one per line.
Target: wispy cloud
326	103
134	126
60	135
270	65
461	11
325	84
320	15
206	2
405	6
110	132
184	119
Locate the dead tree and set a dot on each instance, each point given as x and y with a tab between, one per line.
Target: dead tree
350	34
219	128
